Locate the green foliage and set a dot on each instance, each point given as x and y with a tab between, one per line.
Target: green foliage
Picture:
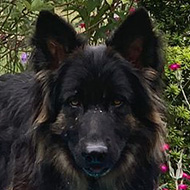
173	19
177	90
17	19
98	16
177	94
94	18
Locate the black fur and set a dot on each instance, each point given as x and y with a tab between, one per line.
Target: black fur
86	118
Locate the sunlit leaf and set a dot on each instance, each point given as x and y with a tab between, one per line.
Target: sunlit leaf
124	1
27	4
179	171
171	170
109	2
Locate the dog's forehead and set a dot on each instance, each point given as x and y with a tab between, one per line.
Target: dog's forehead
97	62
95	53
96	69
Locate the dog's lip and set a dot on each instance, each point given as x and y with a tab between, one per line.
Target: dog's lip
96	170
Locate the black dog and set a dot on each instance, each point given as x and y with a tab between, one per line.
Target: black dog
86	118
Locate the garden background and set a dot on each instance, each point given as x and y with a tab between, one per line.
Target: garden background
96	19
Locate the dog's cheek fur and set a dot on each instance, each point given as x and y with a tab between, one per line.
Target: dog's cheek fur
48	137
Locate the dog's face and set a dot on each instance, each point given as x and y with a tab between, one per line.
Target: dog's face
96	98
98	102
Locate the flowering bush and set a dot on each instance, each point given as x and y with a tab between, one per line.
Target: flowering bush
177	90
94	18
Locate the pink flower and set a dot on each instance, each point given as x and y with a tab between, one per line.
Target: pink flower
131	10
174	66
182	186
82	25
163	168
165	147
186	176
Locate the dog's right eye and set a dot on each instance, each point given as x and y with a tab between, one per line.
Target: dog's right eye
74	102
117	102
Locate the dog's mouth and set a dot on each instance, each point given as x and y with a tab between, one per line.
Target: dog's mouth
96	170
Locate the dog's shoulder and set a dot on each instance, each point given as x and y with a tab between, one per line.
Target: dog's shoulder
15	90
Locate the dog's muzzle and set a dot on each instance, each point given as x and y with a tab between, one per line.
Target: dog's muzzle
96	160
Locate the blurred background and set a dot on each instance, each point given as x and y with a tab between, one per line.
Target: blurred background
96	19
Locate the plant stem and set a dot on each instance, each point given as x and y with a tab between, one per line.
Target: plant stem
184	95
176	184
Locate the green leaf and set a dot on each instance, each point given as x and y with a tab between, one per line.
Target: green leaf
91	5
27	4
36	4
19	6
124	1
84	15
75	18
109	2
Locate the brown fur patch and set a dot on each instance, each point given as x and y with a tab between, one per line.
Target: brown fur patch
41	114
63	164
58	126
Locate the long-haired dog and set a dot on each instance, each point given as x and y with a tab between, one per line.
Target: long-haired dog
85	118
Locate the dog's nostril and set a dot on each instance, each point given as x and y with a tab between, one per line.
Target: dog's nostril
94	157
88	158
100	157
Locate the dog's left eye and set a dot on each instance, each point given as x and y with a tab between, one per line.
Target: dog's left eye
117	102
74	102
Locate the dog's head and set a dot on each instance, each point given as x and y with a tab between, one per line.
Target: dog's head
96	105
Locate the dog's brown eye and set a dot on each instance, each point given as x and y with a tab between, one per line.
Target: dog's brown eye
117	102
74	103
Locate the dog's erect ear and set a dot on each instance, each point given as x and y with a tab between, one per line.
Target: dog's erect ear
136	41
53	39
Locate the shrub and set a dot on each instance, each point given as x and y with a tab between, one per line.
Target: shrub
177	98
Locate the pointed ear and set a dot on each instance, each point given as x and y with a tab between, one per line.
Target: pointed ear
53	39
136	41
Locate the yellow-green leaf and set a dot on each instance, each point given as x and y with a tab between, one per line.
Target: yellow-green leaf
109	2
124	1
27	4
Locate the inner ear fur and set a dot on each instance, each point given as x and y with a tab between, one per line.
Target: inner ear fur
137	42
53	40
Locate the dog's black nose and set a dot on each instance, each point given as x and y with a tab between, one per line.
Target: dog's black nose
95	153
97	161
